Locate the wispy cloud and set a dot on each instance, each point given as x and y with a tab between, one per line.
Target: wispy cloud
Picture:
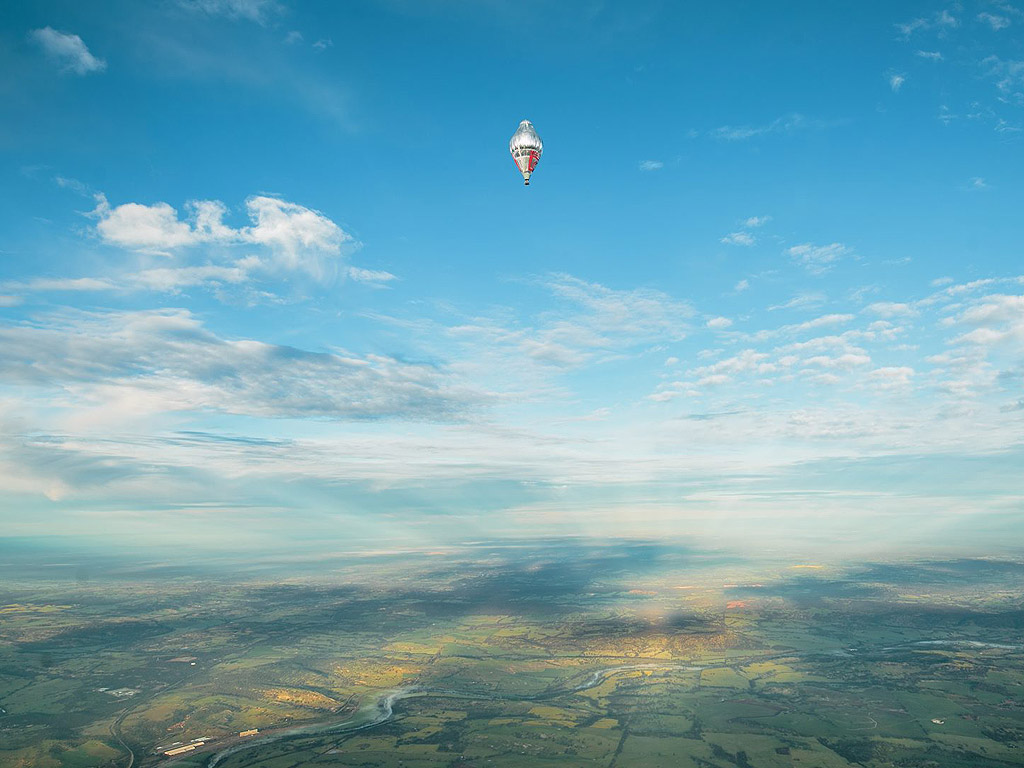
651	165
801	301
994	21
896	82
818	259
259	11
739	238
791	329
929	55
1009	78
370	275
150	362
68	51
941	21
780	125
744	236
589	323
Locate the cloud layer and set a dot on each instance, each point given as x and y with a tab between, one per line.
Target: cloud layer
154	362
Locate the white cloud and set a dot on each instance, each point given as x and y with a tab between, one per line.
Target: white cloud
122	382
896	82
68	51
293	38
741	285
889	309
997	319
294	233
719	323
994	21
10	301
988	352
208	216
721	372
258	11
744	237
291	238
978	183
145	227
818	259
651	165
930	55
739	238
296	237
893	377
370	275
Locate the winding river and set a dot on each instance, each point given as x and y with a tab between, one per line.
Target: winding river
382	710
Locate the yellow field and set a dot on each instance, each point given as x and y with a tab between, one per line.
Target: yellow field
19	608
301	698
403	647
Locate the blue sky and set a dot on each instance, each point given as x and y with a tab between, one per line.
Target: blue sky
269	275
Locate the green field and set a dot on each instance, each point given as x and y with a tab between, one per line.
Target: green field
542	663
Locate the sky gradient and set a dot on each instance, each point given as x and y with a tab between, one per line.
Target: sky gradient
269	277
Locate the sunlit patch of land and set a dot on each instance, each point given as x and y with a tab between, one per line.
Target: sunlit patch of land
581	658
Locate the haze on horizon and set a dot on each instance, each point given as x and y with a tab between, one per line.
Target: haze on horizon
270	280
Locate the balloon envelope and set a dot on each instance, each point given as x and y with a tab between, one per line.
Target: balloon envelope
526	148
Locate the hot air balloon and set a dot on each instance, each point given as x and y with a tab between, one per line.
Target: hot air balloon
526	148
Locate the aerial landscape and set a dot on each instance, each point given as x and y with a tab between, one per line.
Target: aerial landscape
437	383
540	652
